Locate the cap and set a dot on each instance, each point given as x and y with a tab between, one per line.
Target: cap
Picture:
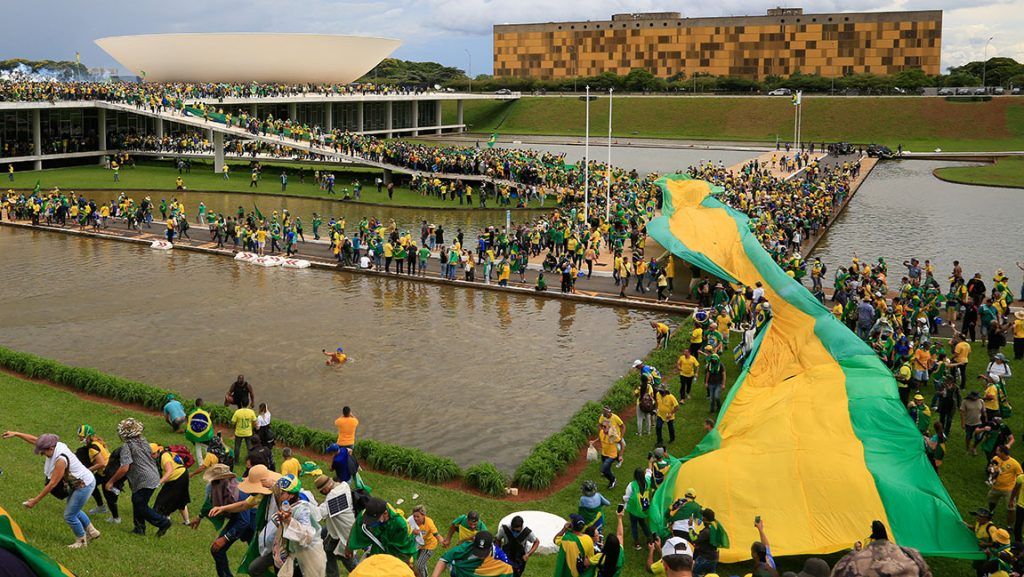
45	443
637	363
983	512
691	493
483	545
1000	356
289	484
472	516
154	448
577	522
373	509
676	546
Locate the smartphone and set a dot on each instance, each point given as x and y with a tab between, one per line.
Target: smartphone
757	520
620	508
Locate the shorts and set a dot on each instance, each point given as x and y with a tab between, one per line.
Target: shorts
995	495
921	376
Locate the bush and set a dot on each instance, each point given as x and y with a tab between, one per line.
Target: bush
412	463
486	478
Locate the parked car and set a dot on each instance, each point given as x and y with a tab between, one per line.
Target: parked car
1015	91
945	92
898	90
998	91
879	151
503	92
980	90
781	92
963	91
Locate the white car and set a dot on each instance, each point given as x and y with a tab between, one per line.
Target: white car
781	92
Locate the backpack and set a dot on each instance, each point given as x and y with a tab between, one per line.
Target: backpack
182	454
646	404
224	456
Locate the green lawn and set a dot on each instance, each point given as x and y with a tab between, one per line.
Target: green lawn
1005	172
160	176
920	124
37	408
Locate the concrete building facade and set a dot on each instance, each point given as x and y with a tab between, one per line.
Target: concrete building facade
781	43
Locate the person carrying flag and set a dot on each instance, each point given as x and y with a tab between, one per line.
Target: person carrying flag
476	558
380	529
575	548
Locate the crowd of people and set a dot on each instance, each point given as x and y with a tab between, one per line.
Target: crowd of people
31	91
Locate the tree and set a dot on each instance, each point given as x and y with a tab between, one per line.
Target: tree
641	80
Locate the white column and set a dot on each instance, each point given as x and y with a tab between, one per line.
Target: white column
359	117
218	152
328	116
458	114
437	116
415	117
159	127
101	131
390	118
293	111
252	109
37	138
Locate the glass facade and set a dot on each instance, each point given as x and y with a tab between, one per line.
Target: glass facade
67	130
312	114
346	116
16	133
428	112
375	116
401	114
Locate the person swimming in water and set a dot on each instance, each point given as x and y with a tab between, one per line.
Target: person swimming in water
336	358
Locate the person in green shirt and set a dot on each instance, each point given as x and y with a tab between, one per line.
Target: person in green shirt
575	550
380	529
317	221
473	558
467	526
424	256
638	500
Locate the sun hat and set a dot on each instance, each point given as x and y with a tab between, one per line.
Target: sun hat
253	482
218	472
129	429
691	493
1002	537
918	397
983	512
321	482
1000	357
45	443
1019	315
637	363
382	566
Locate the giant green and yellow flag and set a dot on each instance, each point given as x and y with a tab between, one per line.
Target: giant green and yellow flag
492	140
812	437
12	539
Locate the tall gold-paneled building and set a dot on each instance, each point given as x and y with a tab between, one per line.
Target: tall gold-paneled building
781	43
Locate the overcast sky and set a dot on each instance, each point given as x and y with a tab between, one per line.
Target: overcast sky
439	30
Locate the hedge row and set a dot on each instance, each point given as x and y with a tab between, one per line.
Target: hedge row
554	454
412	463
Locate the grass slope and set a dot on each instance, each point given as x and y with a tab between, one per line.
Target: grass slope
1005	172
160	176
917	123
36	408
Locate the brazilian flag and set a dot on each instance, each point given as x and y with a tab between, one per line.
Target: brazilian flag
464	563
259	214
35	191
12	539
492	140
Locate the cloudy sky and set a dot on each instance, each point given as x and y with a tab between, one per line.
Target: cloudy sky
439	30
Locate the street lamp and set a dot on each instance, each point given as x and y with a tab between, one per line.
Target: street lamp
984	64
470	73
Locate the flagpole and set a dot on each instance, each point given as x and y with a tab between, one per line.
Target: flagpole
586	162
796	112
608	191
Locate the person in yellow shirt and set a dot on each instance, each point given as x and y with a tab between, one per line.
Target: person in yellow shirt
427	537
724	322
961	355
660	334
174	494
667	407
243	420
611	441
687	365
1003	472
290	465
346	424
696	339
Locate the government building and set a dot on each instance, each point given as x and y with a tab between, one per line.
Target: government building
781	43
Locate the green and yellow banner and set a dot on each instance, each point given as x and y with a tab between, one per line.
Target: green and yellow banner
812	437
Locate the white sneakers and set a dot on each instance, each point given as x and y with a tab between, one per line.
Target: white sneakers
92	533
79	543
115	520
